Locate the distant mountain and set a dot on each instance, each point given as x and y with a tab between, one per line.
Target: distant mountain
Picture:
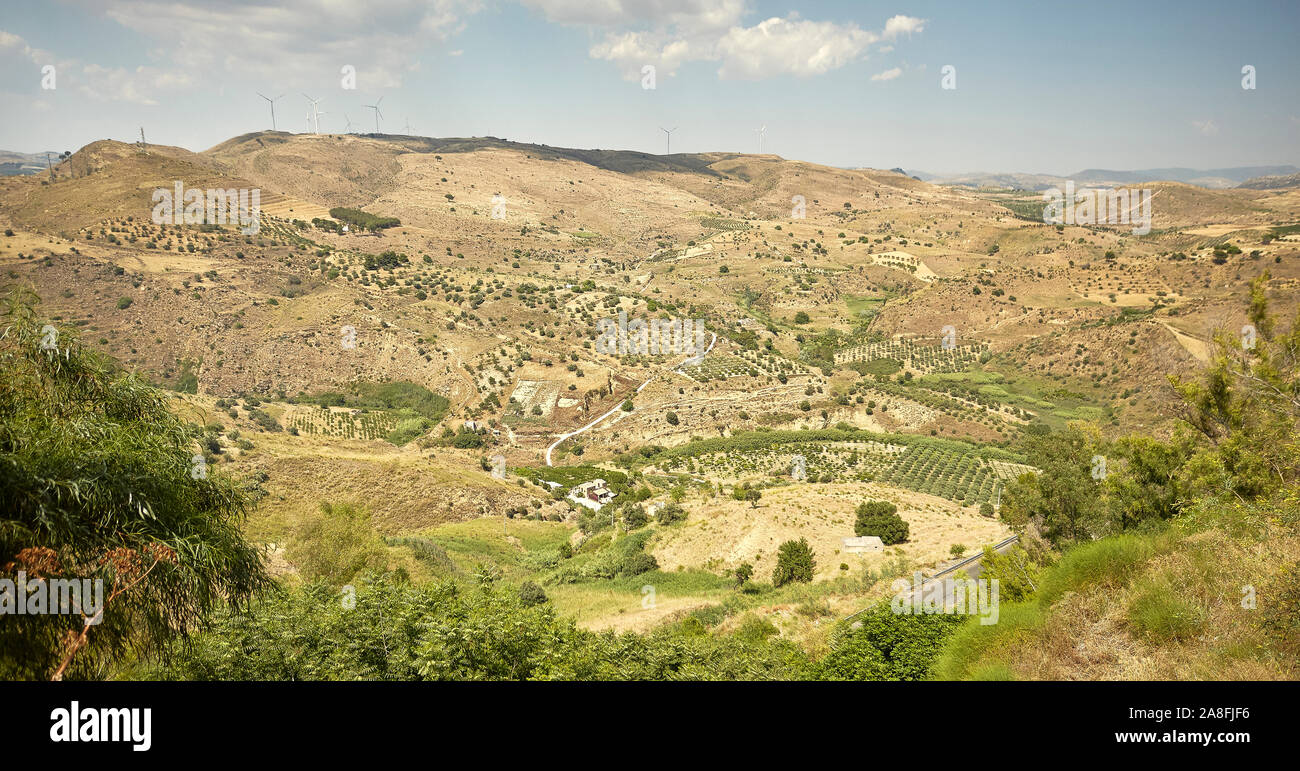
14	164
1272	182
1207	178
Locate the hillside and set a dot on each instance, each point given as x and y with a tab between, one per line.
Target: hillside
897	340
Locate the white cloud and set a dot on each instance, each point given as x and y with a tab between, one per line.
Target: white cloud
1207	127
790	46
888	74
682	33
902	25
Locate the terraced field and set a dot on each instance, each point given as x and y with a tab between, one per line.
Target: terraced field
918	358
344	423
719	366
952	470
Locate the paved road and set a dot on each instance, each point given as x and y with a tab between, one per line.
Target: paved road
971	565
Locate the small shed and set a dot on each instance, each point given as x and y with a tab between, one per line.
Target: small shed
863	544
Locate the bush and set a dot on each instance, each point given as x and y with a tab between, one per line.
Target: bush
336	546
531	594
1161	614
794	562
670	513
880	518
634	516
888	645
637	563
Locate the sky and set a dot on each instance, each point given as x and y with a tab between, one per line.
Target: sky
1033	87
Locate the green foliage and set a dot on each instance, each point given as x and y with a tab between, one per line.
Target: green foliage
1017	575
336	546
670	513
1110	561
1280	610
1247	405
887	646
362	219
634	516
794	562
97	481
880	518
408	429
397	395
531	594
442	631
1161	614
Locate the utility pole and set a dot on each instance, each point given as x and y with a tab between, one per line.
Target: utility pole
49	166
144	146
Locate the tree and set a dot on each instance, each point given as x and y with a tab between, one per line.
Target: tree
669	513
880	518
743	573
634	516
1246	406
794	562
1016	573
672	418
1063	502
81	443
753	496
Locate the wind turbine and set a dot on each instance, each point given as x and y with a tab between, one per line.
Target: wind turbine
761	133
314	116
272	101
378	114
669	132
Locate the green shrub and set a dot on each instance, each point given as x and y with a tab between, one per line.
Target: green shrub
794	562
531	594
336	546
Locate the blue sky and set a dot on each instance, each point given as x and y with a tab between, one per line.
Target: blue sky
1040	87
